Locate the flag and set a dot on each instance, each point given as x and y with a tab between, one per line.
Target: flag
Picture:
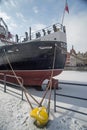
66	7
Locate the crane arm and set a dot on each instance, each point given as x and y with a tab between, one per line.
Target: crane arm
1	20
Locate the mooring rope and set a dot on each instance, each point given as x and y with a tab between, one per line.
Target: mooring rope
25	90
49	83
51	79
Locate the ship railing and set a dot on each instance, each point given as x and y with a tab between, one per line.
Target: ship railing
56	94
43	32
46	31
3	80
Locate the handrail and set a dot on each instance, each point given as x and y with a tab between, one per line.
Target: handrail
8	75
45	31
49	28
69	96
5	81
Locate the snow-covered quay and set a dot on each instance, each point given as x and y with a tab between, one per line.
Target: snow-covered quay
14	113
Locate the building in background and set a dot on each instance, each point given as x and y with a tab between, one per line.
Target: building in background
76	59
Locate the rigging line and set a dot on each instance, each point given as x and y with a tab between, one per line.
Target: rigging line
19	80
50	81
28	100
48	107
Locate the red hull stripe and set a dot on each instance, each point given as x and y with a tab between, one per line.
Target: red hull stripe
33	77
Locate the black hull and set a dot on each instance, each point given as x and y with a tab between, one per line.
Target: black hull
32	56
33	61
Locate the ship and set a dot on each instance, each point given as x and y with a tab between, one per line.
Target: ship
36	56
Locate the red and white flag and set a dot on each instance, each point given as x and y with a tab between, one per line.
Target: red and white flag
66	7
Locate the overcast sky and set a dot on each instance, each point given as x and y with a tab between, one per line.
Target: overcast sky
19	15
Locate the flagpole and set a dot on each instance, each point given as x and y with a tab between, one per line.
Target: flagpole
65	9
63	16
63	13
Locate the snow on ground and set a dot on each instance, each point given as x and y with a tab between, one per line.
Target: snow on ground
14	113
80	76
